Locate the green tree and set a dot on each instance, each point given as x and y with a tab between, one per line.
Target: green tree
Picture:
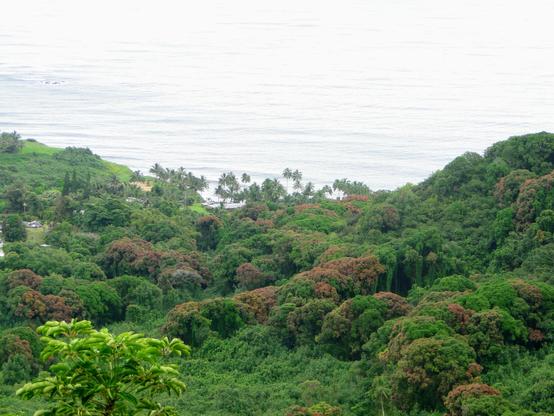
13	229
272	190
106	211
186	322
98	373
534	152
16	369
349	326
208	232
381	391
10	143
546	220
348	188
16	196
429	369
459	400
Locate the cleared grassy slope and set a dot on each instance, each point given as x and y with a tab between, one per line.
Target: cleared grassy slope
42	167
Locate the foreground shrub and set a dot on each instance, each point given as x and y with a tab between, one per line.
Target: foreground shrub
98	373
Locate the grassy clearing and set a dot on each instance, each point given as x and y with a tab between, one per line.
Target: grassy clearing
31	147
36	235
122	172
197	207
43	167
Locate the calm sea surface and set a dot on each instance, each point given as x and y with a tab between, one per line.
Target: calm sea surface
382	91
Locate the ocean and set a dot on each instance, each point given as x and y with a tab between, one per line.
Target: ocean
380	91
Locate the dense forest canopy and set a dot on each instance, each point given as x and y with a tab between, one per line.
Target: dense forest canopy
432	299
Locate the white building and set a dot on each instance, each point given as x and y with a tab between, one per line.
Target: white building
32	224
225	205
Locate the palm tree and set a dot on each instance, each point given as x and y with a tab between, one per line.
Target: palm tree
137	176
233	186
309	189
157	170
245	178
327	190
297	178
201	183
287	174
381	391
272	190
228	186
339	185
220	191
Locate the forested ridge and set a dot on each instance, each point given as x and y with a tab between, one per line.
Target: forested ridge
432	299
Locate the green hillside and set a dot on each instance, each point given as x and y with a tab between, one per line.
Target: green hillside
42	167
432	299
